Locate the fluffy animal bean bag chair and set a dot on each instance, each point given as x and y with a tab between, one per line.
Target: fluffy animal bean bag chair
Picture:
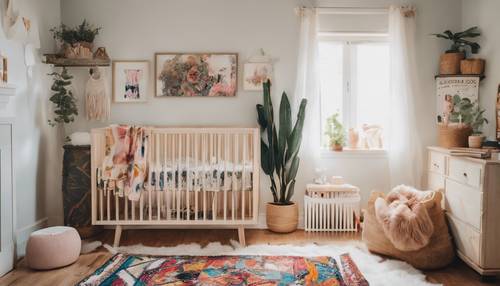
410	226
404	217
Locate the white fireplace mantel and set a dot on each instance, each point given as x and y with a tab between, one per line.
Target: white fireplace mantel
7	91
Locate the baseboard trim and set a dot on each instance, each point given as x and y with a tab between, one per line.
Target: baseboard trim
22	235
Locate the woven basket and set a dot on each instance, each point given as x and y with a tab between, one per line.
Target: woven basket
472	66
450	63
453	136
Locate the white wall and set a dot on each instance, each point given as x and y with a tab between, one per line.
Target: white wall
37	152
484	14
138	29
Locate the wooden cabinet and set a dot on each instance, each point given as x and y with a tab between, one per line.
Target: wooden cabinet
471	190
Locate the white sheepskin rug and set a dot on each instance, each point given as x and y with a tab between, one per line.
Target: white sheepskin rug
377	271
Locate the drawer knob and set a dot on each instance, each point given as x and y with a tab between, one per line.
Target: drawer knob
465	175
435	165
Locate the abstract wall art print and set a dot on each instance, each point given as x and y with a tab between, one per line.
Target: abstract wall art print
255	74
196	74
130	81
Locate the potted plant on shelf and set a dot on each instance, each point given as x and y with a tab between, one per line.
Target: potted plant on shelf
478	120
335	132
464	117
280	160
77	42
451	60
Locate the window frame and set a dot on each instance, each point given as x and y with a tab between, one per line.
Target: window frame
349	100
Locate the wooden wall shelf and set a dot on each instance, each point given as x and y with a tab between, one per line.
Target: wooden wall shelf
59	61
481	76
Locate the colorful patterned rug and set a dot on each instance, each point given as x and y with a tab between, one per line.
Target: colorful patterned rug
123	269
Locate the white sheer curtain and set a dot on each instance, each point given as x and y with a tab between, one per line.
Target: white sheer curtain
307	86
405	154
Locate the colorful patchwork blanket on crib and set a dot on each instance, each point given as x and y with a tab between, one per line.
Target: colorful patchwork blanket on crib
125	166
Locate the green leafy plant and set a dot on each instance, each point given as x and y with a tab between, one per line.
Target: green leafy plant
81	33
459	42
280	148
335	131
468	113
478	120
63	99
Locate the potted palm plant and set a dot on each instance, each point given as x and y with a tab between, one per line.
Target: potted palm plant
335	132
451	59
478	121
280	160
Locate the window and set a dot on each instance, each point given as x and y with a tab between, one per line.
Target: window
354	82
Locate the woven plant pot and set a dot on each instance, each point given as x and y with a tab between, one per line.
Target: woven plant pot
472	66
282	218
453	136
80	50
476	141
450	63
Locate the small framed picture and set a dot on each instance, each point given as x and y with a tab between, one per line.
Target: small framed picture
130	81
255	74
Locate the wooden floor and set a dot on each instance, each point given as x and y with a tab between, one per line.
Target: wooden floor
456	274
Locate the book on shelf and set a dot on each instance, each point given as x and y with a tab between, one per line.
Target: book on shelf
471	152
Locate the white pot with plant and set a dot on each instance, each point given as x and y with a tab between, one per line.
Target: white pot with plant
335	132
450	60
280	160
478	121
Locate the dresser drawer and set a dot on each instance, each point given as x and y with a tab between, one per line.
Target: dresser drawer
466	172
467	240
437	162
464	202
435	182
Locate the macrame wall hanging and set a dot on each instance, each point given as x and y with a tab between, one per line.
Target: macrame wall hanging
96	98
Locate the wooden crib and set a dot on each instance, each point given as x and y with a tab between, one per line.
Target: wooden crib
196	177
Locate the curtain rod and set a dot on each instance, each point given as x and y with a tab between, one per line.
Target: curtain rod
352	11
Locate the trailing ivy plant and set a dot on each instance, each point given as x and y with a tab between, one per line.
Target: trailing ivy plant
81	33
63	99
280	148
459	42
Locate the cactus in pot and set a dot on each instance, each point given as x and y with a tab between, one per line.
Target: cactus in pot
279	158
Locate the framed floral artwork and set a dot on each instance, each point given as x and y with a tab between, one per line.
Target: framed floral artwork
196	74
255	74
130	81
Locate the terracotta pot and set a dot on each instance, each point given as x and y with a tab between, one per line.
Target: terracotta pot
450	63
336	147
453	136
476	141
472	66
282	218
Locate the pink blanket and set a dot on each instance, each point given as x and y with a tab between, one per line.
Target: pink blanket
125	166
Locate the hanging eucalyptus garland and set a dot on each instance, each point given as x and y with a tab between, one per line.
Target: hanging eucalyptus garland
63	99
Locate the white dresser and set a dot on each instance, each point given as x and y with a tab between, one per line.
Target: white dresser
471	189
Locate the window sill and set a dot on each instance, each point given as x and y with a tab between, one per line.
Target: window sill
354	153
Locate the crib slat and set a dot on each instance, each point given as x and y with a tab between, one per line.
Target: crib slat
226	159
196	183
203	155
188	175
179	175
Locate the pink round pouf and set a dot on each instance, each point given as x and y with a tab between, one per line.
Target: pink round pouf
53	247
